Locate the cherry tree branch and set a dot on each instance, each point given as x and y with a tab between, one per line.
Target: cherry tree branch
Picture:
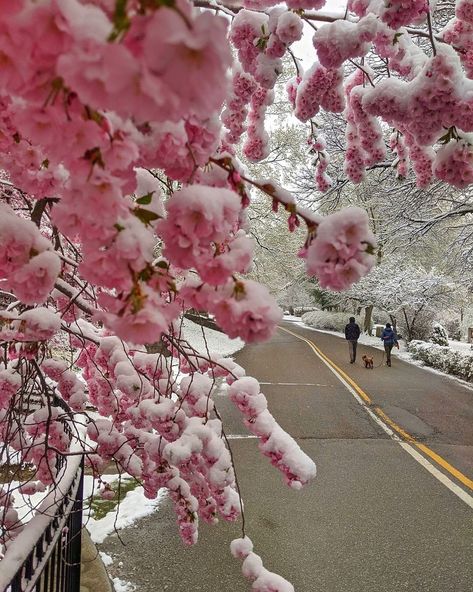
278	194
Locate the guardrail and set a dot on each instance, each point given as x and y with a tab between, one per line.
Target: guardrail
46	555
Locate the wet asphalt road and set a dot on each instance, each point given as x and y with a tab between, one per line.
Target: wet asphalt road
374	519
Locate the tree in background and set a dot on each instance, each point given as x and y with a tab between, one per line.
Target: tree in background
411	296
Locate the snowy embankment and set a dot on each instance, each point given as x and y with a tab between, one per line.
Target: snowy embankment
450	359
201	338
454	361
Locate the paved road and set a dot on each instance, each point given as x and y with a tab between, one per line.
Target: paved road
374	520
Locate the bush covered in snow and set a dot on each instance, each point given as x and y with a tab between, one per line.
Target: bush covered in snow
301	310
443	358
439	335
330	321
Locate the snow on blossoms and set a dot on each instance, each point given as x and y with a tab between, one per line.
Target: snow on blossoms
342	250
338	41
262	579
438	98
282	450
28	265
201	232
319	87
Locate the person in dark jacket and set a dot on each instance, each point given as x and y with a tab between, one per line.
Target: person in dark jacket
389	338
352	334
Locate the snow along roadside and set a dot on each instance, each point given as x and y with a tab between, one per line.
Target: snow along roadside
402	353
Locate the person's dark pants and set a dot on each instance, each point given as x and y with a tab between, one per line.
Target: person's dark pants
387	348
352	349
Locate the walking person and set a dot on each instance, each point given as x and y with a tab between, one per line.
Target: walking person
389	338
352	334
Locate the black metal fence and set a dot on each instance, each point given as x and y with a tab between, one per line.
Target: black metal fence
46	555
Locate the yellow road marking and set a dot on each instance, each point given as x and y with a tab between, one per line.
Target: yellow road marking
380	413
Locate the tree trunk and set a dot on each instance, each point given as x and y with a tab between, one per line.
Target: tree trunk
393	322
408	327
367	321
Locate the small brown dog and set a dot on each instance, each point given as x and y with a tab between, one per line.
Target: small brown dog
368	360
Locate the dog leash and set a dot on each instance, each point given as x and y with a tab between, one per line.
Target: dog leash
382	360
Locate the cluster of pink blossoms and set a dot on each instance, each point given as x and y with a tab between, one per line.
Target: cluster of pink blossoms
256	146
404	56
235	114
354	164
399	13
318	146
398	146
200	220
437	98
277	445
459	33
261	42
454	162
319	87
28	264
337	42
368	128
340	252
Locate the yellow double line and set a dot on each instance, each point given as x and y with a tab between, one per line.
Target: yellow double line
402	434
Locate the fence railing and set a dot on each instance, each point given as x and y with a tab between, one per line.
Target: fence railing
46	555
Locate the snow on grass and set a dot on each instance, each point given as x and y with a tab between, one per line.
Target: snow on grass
288	317
133	507
460	346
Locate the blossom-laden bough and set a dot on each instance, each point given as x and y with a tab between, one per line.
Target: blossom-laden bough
105	105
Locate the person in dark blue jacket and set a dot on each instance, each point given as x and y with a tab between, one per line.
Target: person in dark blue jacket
352	334
389	338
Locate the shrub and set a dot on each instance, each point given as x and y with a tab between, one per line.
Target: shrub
330	321
301	310
443	358
439	335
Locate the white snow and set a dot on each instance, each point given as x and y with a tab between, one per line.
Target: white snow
106	559
134	506
216	341
122	586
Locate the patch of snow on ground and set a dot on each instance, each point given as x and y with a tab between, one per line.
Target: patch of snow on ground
460	346
217	342
288	317
134	506
106	559
122	586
